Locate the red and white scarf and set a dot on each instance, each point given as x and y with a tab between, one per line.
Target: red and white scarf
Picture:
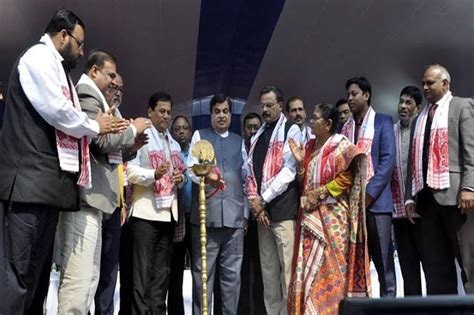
438	155
273	159
159	152
397	183
365	137
116	156
333	157
68	147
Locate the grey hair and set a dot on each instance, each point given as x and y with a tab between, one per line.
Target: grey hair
444	73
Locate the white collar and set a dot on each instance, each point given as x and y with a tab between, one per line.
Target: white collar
225	134
85	79
444	98
45	39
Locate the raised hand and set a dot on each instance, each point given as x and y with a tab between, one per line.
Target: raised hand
141	124
297	150
140	141
111	124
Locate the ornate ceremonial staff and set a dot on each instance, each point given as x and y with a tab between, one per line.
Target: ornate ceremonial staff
203	151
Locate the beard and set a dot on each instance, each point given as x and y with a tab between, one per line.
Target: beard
69	57
116	101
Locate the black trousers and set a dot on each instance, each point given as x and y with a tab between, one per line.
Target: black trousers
37	304
152	251
175	291
251	285
439	226
379	231
126	269
26	241
409	246
109	262
217	305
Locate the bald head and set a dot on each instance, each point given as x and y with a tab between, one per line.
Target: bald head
436	80
441	70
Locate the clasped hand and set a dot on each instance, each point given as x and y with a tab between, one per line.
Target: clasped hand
258	212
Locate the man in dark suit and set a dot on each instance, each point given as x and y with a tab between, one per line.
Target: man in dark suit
441	179
36	181
373	133
81	232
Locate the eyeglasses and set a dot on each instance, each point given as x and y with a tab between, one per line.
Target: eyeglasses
119	89
114	88
78	42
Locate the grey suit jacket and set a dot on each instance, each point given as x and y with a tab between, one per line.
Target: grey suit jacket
105	182
461	153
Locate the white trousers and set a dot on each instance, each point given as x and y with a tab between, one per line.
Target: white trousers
81	236
276	244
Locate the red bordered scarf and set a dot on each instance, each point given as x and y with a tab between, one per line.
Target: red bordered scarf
273	159
115	157
398	184
158	152
438	155
334	157
68	147
365	138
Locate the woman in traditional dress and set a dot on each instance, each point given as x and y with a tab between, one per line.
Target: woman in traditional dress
331	261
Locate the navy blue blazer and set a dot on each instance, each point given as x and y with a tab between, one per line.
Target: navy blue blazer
384	160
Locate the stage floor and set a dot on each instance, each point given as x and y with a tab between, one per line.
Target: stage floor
51	303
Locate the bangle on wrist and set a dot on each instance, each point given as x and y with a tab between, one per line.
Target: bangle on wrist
322	193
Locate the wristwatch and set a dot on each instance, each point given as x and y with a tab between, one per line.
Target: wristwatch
263	204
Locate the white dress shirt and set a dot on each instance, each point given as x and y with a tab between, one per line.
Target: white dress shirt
287	173
42	78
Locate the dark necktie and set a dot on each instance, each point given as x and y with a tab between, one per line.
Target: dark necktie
426	141
432	111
